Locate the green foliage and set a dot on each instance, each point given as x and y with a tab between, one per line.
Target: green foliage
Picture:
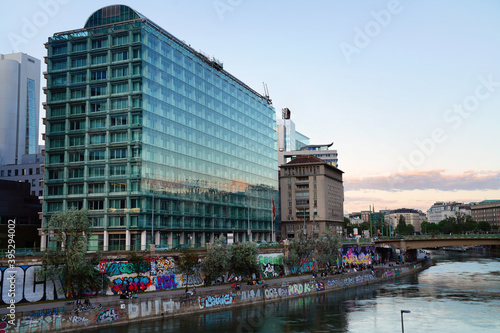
188	263
484	226
69	262
139	265
300	248
243	259
216	260
327	247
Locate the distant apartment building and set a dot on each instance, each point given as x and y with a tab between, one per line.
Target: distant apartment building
487	211
441	210
30	170
312	197
292	144
411	216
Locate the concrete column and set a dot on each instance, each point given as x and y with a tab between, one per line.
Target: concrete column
105	241
212	236
157	237
43	242
181	241
143	240
170	239
203	238
127	240
193	239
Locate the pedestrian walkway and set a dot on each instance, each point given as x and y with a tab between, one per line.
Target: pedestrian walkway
27	308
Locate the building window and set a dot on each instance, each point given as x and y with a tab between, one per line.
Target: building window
98	123
118	170
79	46
77	157
77	140
97	106
75	189
120	40
118	187
119	72
79	77
96	188
97	155
116	221
99	59
119	120
98	75
79	62
77	125
96	204
96	172
119	137
120	55
97	139
55	206
56	190
76	173
117	204
97	91
99	43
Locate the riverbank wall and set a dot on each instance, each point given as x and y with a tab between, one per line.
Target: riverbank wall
65	317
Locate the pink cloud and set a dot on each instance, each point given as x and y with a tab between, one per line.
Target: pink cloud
425	180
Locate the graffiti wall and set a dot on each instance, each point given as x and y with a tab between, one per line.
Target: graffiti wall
271	265
358	255
28	288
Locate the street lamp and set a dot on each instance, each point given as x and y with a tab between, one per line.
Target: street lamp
402	325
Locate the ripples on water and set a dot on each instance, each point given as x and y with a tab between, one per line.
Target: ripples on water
459	293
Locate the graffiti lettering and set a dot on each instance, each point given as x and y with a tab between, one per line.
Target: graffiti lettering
132	284
212	301
78	320
45	312
107	316
88	308
166	282
320	286
118	268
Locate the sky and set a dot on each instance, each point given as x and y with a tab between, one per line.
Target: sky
408	91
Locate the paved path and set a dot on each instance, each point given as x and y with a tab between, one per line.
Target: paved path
28	307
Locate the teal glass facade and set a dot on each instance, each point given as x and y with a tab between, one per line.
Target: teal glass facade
153	137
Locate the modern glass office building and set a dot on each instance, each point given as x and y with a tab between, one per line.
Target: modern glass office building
156	139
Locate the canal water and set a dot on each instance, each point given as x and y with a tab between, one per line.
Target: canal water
459	293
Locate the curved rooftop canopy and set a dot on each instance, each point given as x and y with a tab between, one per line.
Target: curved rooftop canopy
112	14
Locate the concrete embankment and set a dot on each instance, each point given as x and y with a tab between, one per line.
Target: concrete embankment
106	311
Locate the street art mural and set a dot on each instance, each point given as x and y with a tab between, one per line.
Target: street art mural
133	284
358	255
215	301
305	266
28	287
271	265
166	282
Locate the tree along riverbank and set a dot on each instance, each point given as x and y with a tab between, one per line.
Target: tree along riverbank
106	311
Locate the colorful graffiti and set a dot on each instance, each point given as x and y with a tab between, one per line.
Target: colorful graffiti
165	266
213	301
166	282
305	266
119	268
107	316
358	255
28	287
271	265
132	284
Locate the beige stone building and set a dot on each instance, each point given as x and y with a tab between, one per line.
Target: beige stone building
487	211
312	195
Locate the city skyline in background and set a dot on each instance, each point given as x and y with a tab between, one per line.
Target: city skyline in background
406	91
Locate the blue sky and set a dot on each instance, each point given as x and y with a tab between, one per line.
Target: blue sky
408	91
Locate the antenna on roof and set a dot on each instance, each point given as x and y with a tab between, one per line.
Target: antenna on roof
266	94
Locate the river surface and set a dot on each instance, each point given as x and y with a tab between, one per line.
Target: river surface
459	293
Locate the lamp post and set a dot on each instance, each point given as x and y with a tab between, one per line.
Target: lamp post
402	325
